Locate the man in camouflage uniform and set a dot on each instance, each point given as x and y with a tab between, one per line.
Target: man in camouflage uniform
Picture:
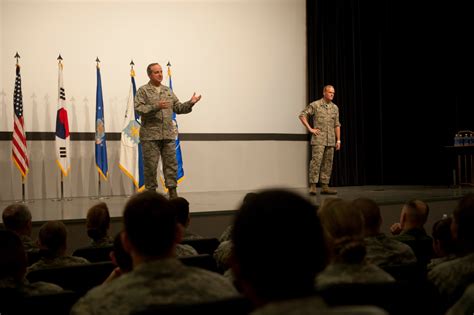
13	268
150	236
156	103
382	250
17	218
52	239
326	135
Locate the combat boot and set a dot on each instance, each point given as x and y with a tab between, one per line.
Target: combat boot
172	193
312	189
325	190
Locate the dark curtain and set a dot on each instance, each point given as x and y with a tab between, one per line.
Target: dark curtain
402	74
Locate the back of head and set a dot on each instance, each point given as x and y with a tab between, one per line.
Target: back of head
122	258
344	229
371	213
278	245
12	256
181	206
416	212
150	223
52	237
463	217
98	221
16	217
441	234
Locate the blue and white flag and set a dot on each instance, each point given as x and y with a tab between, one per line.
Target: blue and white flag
100	141
131	161
179	156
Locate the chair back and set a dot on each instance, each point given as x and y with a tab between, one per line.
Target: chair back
94	254
204	261
231	306
203	245
78	278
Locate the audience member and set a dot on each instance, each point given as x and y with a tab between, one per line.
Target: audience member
381	249
98	224
13	267
465	305
182	214
150	236
52	240
444	247
17	218
452	277
410	230
120	258
343	226
278	250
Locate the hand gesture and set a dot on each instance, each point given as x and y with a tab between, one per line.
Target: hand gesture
163	104
194	98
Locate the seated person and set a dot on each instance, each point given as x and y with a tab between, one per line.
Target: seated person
444	247
120	258
17	218
343	226
381	249
52	240
98	224
150	236
182	214
13	268
410	230
276	256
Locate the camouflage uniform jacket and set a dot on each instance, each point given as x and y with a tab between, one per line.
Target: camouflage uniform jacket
184	250
103	242
337	273
29	244
227	234
222	255
325	118
314	306
158	124
385	251
164	281
61	261
29	289
450	276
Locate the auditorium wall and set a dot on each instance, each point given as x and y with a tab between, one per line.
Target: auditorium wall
246	58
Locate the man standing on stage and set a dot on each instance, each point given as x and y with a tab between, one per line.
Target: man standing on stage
156	103
326	135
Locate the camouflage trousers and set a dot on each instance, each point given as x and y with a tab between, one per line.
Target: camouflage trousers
320	167
152	151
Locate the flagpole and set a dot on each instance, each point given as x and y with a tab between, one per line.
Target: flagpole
21	162
98	170
134	189
60	171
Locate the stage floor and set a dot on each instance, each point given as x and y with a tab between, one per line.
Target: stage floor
203	203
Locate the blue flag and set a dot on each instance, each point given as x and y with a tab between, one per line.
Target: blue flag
100	141
179	157
131	161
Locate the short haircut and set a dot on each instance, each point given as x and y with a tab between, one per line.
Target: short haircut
123	259
463	216
278	244
181	206
370	211
441	232
148	69
12	256
53	236
98	221
150	223
16	216
417	211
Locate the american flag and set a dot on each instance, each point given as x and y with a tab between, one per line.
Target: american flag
19	151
